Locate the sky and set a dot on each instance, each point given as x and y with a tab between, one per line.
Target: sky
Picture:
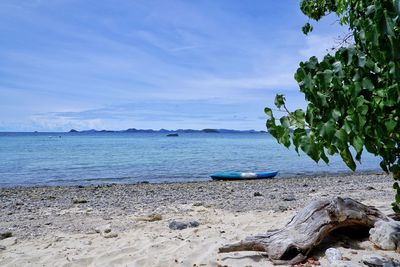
90	64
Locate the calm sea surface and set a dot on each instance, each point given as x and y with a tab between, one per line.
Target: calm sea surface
84	158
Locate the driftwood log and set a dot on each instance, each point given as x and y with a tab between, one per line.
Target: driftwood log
293	243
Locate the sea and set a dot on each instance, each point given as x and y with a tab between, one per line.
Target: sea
37	159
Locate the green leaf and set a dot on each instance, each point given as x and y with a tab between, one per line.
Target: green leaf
396	186
361	61
336	114
341	136
309	147
307	28
383	165
358	144
328	130
279	101
367	84
348	159
268	111
285	121
396	171
390	125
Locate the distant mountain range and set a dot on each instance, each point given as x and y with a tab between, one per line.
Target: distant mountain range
134	130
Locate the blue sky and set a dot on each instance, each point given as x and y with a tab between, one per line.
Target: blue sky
150	64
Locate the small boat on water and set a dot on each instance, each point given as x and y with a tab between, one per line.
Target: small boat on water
242	175
172	135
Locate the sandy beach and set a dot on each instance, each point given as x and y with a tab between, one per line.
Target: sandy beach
128	225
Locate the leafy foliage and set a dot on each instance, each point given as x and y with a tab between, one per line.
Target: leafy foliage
354	95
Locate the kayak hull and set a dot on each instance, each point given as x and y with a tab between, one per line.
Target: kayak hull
243	175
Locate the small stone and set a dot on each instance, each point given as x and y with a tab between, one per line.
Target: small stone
104	229
333	255
289	198
110	235
194	224
386	235
370	188
283	208
197	204
79	201
5	235
2	247
257	194
175	225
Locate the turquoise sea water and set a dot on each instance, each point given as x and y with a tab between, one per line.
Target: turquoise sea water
92	158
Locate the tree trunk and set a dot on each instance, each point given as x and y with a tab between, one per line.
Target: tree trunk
293	243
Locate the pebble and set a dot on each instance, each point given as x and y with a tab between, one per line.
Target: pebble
176	225
289	198
282	208
104	229
333	255
110	235
257	194
379	261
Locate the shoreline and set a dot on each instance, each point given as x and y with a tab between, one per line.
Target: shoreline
49	219
84	183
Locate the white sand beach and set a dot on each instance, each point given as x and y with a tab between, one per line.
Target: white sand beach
38	240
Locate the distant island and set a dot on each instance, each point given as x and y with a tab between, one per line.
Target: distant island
134	130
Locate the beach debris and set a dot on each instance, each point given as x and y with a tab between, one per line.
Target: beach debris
150	217
333	255
176	225
386	235
5	235
257	194
379	261
79	201
293	243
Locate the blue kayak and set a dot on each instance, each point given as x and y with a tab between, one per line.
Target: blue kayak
242	175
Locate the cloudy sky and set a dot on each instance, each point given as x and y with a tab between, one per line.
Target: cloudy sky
150	64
